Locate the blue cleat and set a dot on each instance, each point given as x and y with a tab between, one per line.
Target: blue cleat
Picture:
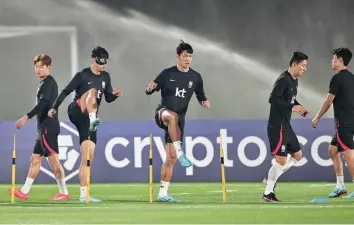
337	192
184	161
166	198
93	200
349	196
94	124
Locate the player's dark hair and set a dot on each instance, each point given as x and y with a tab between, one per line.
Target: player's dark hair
343	53
297	57
43	58
99	52
184	47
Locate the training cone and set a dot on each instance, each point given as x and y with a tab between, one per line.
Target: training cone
320	200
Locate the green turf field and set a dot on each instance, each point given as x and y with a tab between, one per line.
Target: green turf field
202	203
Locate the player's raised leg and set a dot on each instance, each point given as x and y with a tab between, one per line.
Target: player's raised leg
88	104
171	120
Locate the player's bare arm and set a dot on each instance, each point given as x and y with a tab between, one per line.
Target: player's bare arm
324	108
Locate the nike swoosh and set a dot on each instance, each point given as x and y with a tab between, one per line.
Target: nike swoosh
90	82
172	80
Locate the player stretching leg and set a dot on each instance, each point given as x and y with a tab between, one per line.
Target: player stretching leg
341	94
177	85
282	138
90	84
48	130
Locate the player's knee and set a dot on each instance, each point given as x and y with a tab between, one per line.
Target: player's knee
93	91
333	151
280	160
91	98
173	118
344	157
348	156
297	156
35	162
171	161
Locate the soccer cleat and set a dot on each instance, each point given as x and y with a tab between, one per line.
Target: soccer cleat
337	192
94	124
270	197
94	200
19	194
59	197
265	183
349	196
184	161
166	198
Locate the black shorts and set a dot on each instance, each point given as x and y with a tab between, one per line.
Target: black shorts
81	122
283	141
46	144
344	137
334	141
159	122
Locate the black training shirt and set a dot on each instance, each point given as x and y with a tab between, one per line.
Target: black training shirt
47	92
282	99
177	88
342	87
84	81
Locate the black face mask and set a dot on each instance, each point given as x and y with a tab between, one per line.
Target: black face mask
101	61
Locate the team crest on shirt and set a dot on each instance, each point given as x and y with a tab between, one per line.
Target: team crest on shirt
190	84
293	99
283	148
103	84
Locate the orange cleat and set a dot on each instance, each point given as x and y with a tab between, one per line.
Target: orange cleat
19	194
59	197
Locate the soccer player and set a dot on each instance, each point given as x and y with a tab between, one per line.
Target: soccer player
48	130
177	85
341	94
89	84
282	138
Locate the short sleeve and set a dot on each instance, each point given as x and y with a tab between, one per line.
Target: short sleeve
159	80
334	85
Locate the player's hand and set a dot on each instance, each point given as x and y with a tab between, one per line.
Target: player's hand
21	122
206	104
151	86
300	109
52	112
315	122
117	93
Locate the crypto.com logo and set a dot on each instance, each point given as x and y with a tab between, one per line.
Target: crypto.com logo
68	156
